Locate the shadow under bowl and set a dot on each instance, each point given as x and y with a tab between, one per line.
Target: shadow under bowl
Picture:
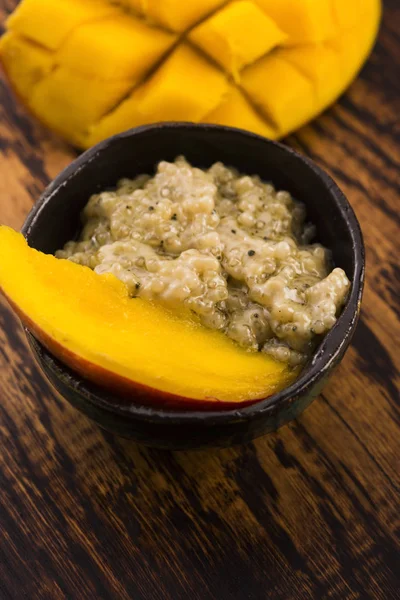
55	219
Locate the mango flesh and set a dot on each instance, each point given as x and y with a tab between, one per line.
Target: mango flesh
129	345
268	66
174	93
225	36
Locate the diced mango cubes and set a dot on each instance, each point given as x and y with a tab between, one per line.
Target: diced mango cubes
225	36
236	111
280	91
126	48
186	87
69	106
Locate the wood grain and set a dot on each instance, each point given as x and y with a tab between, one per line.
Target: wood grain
309	512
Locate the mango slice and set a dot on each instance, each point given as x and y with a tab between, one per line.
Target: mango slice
265	65
225	36
129	345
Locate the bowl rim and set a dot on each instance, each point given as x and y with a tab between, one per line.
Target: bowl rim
330	350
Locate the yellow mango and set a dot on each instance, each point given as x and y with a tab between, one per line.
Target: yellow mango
358	40
138	6
348	13
304	21
320	64
49	22
225	36
90	323
186	87
124	46
69	106
179	15
27	64
236	111
107	65
280	91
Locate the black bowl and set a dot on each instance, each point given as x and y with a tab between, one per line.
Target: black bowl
55	219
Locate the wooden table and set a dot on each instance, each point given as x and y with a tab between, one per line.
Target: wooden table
309	512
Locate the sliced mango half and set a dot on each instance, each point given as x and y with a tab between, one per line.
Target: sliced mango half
117	64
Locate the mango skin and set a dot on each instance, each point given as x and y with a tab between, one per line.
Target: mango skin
187	61
137	350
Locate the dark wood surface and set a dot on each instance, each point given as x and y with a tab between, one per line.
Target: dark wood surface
309	512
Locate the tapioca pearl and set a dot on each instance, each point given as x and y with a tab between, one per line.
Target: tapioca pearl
284	198
204	204
311	265
268	266
164	211
319	327
153	265
233	262
155	286
282	251
246	220
100	204
319	253
93	261
218	294
68	249
265	293
175	292
302	320
236	301
125	262
215	320
268	190
260	225
243	185
173	244
253	271
225	207
80	258
242	333
246	206
203	263
184	276
339	279
118	230
165	167
213	219
209	241
278	351
199	305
